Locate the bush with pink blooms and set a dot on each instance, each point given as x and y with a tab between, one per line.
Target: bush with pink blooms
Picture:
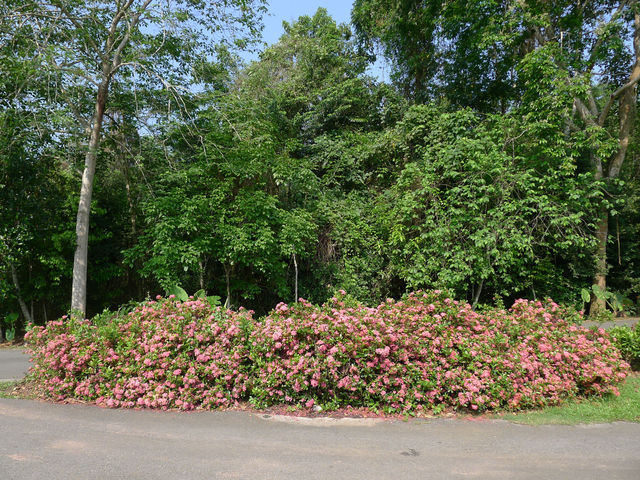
421	354
428	352
163	354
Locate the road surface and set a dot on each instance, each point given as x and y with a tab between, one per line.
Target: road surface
40	440
14	363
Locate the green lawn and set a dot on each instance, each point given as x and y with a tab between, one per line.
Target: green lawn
6	388
626	408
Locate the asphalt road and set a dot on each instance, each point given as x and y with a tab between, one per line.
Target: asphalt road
617	322
40	440
13	363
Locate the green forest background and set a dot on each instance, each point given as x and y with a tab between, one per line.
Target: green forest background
500	161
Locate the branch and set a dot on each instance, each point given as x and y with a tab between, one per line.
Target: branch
633	80
584	112
570	126
592	104
76	113
23	306
596	46
132	25
76	24
74	71
627	106
121	11
634	77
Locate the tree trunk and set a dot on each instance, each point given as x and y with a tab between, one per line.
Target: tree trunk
295	264
23	306
227	274
130	202
202	265
79	288
600	277
32	316
134	283
627	112
476	295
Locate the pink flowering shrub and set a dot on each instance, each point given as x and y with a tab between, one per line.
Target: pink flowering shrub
164	354
425	352
428	352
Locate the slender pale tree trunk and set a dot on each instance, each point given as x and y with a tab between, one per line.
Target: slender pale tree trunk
80	259
476	295
130	200
23	306
111	62
202	265
227	275
295	264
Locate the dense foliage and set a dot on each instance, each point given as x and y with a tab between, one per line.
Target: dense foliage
627	340
426	352
500	161
493	220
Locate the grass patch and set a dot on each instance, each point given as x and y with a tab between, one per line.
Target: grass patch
23	389
7	389
605	409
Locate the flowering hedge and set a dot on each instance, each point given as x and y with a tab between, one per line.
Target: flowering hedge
425	352
428	351
164	354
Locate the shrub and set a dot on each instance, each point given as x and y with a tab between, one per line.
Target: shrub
163	354
628	342
425	352
428	352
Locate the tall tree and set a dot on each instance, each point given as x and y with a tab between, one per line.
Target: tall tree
272	198
328	115
33	205
580	59
84	48
456	49
469	214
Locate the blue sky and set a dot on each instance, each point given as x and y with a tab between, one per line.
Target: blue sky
290	10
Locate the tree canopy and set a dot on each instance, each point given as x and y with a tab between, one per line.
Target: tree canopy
500	161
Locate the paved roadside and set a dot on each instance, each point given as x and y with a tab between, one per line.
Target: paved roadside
14	363
41	440
618	322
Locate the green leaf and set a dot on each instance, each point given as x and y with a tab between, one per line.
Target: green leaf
10	334
200	294
213	300
586	296
11	319
178	292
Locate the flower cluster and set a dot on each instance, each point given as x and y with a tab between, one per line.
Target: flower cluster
164	354
423	353
429	352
